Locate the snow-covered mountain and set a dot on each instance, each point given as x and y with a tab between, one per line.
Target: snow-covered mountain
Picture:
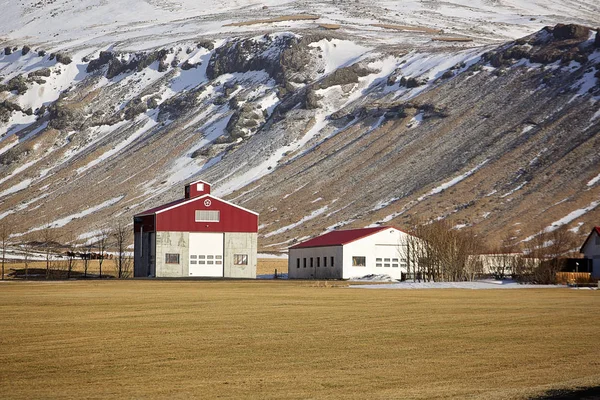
316	114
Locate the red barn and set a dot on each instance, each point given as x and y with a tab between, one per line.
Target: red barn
199	235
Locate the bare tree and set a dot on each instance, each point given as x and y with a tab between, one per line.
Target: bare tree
122	261
27	248
437	252
48	239
4	235
546	253
102	244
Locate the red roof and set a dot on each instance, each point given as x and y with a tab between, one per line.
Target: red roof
595	229
339	238
160	208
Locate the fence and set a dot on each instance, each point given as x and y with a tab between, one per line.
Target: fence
573	277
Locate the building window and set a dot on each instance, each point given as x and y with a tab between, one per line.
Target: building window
200	187
378	264
171	258
394	265
359	261
318	262
311	262
297	263
207	216
304	262
240	259
332	264
324	261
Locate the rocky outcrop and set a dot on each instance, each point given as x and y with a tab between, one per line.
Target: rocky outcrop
6	110
118	65
243	55
570	31
344	76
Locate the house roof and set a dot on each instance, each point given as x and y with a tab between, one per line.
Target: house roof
594	229
198	181
177	203
339	238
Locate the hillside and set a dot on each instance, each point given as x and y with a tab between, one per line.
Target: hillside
421	112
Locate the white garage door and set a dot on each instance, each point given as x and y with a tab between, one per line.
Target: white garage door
206	254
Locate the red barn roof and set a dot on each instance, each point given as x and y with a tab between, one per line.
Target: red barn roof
339	238
595	229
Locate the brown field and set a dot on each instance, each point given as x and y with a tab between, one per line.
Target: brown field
331	27
405	28
283	339
283	18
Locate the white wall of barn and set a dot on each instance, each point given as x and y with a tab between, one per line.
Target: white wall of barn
388	245
591	250
321	263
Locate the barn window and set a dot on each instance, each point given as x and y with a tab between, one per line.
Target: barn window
171	258
332	261
318	262
304	262
200	187
311	262
207	216
240	259
359	261
297	263
324	261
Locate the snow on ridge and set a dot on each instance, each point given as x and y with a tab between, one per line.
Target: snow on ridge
312	215
59	223
452	182
593	181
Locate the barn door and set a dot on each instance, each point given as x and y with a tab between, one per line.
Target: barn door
206	254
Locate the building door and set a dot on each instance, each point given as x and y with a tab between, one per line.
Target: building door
206	254
151	254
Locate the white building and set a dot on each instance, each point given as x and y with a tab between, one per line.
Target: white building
591	250
349	254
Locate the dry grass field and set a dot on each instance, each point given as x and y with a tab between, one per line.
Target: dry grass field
284	339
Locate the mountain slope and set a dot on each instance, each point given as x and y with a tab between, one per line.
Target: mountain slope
315	129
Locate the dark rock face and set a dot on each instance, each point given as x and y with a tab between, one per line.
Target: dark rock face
207	44
17	84
174	107
25	50
63	59
7	51
249	55
40	72
6	110
104	58
597	40
116	66
188	65
63	116
571	31
344	76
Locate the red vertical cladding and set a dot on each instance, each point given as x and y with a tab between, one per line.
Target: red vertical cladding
182	217
197	189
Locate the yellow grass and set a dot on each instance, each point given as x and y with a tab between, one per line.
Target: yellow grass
283	18
267	266
331	27
406	28
284	339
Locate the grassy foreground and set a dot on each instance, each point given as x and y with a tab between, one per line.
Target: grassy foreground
283	339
